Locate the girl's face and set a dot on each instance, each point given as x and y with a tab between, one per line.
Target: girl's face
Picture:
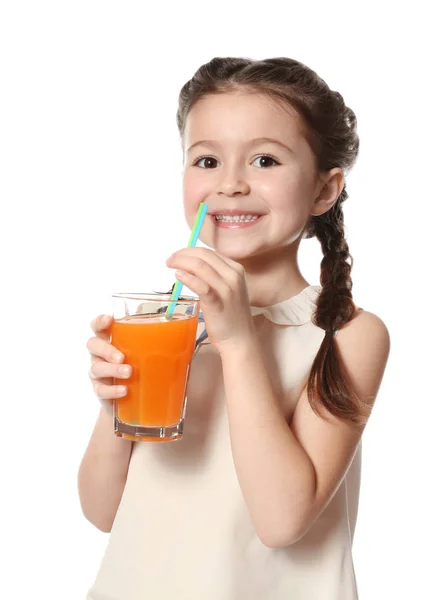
227	168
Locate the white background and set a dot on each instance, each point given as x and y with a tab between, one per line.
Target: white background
91	204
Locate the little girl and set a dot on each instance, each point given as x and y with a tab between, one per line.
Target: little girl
258	500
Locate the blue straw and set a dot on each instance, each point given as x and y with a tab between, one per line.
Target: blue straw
195	232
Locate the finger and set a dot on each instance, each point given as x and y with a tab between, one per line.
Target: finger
101	326
196	285
221	263
231	271
204	266
101	369
109	392
101	348
200	277
231	263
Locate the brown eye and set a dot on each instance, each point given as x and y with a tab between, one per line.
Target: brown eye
207	159
264	158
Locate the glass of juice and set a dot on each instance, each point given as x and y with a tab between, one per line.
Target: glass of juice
159	350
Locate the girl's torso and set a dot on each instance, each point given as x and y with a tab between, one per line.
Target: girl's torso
183	531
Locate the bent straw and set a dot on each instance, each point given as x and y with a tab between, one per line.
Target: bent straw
200	216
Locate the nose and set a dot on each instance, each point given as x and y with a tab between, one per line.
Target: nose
233	183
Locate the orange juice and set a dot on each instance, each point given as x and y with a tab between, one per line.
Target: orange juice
159	352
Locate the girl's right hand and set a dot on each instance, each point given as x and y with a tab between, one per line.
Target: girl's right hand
106	363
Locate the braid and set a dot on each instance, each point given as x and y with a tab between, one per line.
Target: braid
335	305
334	308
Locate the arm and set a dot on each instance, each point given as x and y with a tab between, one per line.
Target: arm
103	472
288	474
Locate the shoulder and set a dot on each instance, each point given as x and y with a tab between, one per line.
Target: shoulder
364	323
363	345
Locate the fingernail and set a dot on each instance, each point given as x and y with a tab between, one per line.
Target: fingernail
124	371
121	390
118	357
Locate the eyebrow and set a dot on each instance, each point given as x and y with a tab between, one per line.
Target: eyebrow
253	142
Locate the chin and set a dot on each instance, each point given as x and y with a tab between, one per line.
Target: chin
234	254
236	251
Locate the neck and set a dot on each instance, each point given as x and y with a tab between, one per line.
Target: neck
274	277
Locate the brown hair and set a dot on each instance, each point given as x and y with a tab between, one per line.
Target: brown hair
331	132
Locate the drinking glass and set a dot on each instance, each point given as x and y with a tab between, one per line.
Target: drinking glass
159	350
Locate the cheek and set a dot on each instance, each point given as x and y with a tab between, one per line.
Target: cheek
288	196
292	188
284	191
194	189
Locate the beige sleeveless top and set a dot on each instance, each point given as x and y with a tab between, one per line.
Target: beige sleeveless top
182	530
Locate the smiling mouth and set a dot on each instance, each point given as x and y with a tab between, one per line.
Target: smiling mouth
236	219
234	223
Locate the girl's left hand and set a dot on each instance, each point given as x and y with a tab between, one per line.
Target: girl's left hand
221	286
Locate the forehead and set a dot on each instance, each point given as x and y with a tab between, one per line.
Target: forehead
236	116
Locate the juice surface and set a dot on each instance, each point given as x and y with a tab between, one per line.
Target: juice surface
159	352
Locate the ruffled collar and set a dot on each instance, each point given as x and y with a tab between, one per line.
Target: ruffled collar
296	310
292	311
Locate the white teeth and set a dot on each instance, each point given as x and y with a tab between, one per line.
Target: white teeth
237	218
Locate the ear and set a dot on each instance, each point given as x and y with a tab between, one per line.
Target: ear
331	187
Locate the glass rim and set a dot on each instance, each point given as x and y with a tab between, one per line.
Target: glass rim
155	297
